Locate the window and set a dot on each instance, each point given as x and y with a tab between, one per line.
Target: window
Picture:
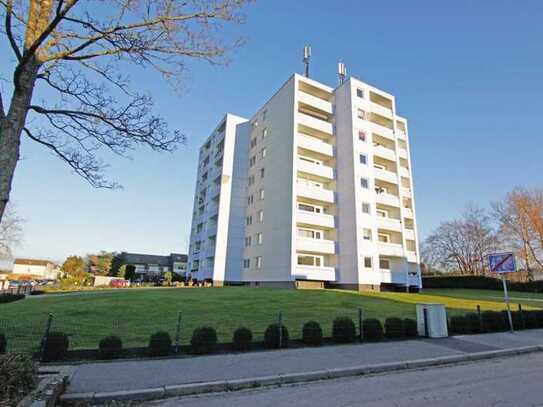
264	113
261	216
249	220
309	233
251	179
247	241
264	133
364	183
310	160
384	238
362	136
253	142
379	166
246	263
252	161
258	262
361	114
363	159
261	194
383	213
360	93
262	173
309	208
250	200
263	152
199	227
367	262
384	264
310	260
259	238
366	233
365	207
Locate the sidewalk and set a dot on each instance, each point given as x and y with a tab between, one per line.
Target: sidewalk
136	375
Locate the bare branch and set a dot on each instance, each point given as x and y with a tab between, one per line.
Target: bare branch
9	32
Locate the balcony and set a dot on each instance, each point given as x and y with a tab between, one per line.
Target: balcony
214	190
409	234
212	230
382	110
315	273
212	210
318	194
315	245
394	277
406	192
412	257
318	170
384	152
389	224
316	145
315	102
316	219
387	199
402	152
385	175
319	125
401	134
209	251
390	249
408	213
404	172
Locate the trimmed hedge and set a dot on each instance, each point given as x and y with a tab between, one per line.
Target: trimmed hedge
242	339
373	330
312	334
394	328
474	322
18	376
410	328
460	324
271	336
56	346
3	344
160	344
343	330
494	321
7	297
480	283
110	347
204	340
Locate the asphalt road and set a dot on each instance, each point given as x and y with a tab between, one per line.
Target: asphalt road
501	382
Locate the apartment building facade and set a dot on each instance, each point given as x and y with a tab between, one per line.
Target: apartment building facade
314	190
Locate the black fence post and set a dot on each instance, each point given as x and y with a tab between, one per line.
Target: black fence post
280	323
360	327
426	331
521	314
45	335
480	318
178	333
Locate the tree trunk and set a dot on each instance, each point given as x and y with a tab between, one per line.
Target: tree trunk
12	126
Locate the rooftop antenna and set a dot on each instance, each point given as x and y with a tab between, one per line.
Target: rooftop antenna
307	57
342	72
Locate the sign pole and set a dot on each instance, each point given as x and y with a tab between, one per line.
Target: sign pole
506	298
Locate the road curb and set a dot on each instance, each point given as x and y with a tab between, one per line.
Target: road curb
284	379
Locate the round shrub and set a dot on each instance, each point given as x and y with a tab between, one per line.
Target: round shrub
55	347
3	344
343	330
531	319
460	325
373	330
474	322
312	334
494	321
110	347
271	336
394	328
410	328
242	340
539	319
160	344
204	340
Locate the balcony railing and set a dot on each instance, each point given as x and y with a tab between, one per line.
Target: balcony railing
390	249
315	144
318	194
389	224
317	124
315	273
315	245
387	199
315	102
319	170
316	219
385	175
384	152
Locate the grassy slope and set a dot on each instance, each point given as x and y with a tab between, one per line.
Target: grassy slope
135	314
529	299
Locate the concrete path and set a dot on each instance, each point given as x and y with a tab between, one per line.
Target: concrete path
137	375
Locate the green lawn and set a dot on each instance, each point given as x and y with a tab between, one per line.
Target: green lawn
135	314
529	299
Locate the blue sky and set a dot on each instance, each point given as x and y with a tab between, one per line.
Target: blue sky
466	74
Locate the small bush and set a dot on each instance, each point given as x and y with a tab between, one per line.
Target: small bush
204	340
242	340
460	325
37	292
539	319
394	328
18	376
531	319
3	344
410	328
160	344
373	330
7	297
56	346
474	322
312	334
110	347
343	330
494	321
271	336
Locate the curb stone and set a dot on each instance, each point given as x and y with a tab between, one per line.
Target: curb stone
290	378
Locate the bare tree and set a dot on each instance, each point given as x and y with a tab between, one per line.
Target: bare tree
462	244
11	233
74	50
520	217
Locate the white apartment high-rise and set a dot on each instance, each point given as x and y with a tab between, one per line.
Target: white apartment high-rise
314	190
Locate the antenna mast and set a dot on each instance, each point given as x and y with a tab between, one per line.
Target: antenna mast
342	72
307	57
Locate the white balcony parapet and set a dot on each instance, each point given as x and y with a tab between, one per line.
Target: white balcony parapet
212	230
406	192
315	144
384	152
387	199
389	224
401	134
318	194
315	245
385	175
319	170
402	152
315	102
412	257
317	219
408	213
404	172
315	273
409	234
390	249
394	277
320	125
383	111
382	130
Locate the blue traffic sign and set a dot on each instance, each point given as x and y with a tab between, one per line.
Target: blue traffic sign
502	263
